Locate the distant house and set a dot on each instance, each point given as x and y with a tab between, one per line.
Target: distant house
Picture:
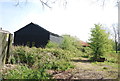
84	44
33	34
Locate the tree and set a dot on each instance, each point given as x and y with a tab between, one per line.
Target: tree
104	2
45	3
115	29
70	43
99	42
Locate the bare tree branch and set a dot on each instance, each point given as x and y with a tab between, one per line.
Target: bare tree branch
103	2
115	33
45	3
17	3
65	3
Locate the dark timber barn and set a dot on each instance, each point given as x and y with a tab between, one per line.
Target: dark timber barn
33	34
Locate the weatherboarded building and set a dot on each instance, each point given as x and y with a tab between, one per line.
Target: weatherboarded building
34	35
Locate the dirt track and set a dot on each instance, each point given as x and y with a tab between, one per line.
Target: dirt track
86	70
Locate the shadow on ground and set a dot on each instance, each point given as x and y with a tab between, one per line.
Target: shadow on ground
79	60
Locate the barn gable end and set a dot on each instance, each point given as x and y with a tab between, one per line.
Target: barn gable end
34	35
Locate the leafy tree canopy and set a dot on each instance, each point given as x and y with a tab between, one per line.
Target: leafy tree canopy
99	41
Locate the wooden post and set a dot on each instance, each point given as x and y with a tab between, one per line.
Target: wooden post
0	49
3	45
4	48
8	54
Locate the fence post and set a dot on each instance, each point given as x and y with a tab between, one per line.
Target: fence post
0	49
8	54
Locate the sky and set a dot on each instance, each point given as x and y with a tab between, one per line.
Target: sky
76	18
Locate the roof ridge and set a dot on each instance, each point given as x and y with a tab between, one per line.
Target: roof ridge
38	26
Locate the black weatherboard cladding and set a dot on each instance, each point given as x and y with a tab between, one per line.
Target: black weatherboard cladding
32	34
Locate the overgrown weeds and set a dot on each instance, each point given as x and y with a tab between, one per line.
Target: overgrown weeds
38	60
23	72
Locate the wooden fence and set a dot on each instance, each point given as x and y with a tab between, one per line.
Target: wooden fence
5	47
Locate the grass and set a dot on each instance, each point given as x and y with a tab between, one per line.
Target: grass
111	64
105	63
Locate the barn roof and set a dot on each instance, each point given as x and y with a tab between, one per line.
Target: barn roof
39	27
30	24
54	34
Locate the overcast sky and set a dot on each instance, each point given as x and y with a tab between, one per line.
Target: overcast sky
76	19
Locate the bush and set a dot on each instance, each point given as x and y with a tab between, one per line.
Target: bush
112	57
24	55
40	58
52	45
71	44
61	65
68	43
23	72
87	52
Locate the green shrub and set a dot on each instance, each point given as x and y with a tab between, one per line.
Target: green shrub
87	50
52	45
23	72
105	68
87	53
40	58
112	57
61	65
71	44
24	55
